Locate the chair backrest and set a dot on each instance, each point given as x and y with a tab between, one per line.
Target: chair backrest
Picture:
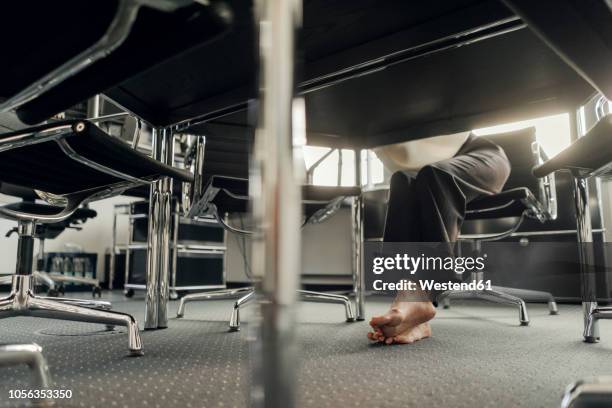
518	147
226	151
524	153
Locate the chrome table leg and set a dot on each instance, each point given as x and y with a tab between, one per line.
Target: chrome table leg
276	197
212	295
158	240
584	233
234	324
330	298
357	212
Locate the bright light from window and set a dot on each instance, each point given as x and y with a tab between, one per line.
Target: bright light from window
553	132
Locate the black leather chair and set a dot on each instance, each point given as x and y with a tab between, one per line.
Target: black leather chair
53	281
589	156
68	163
225	190
77	49
524	196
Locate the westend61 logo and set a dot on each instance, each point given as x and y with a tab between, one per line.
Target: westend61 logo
412	264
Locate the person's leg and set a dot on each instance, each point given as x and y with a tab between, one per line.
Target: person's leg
402	220
442	191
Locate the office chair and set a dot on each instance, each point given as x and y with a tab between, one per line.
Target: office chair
222	194
524	196
68	163
589	156
53	281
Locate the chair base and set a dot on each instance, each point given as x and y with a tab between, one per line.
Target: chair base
492	295
51	280
23	302
245	295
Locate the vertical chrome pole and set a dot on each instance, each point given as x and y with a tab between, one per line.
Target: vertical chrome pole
93	107
276	194
153	245
165	230
113	252
357	213
176	220
585	250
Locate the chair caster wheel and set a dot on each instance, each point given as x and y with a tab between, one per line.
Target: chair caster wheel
61	289
446	307
524	323
174	295
128	293
96	291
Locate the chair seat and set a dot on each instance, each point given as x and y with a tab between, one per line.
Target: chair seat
61	30
51	231
589	155
509	203
231	194
81	214
46	167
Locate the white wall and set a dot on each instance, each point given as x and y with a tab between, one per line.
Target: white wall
94	237
326	248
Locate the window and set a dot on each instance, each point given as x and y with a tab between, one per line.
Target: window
335	168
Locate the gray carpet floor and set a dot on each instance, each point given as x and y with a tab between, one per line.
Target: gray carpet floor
478	357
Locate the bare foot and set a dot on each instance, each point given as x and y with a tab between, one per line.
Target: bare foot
422	331
403	323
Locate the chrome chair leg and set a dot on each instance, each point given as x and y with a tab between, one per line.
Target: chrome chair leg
490	295
92	304
234	324
535	295
500	297
30	355
532	295
592	314
23	302
322	297
41	277
57	310
57	277
444	298
213	295
6	279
